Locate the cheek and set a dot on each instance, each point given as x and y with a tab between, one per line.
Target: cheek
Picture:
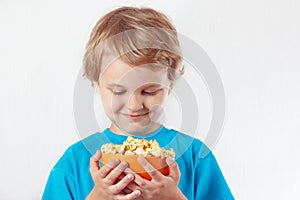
155	102
106	104
117	103
110	103
156	108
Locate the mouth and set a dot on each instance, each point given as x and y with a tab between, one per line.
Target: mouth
136	117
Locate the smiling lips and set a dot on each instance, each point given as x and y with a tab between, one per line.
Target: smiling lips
135	117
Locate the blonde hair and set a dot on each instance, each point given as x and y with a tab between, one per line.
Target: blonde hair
138	36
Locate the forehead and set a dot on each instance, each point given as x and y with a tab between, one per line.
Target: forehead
121	73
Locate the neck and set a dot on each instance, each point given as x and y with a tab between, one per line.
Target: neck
116	130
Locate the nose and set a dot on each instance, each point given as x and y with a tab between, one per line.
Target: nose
135	103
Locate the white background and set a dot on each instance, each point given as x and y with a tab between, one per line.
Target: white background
254	44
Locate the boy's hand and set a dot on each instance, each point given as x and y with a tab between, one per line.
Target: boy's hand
105	179
160	187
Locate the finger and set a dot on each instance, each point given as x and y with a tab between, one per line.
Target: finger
174	170
117	188
155	174
132	186
94	162
121	177
116	172
108	167
137	178
126	190
130	196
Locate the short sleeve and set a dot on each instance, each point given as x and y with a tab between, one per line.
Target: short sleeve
209	181
61	184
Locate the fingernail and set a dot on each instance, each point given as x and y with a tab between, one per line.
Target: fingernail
124	164
141	160
137	192
96	155
130	176
170	160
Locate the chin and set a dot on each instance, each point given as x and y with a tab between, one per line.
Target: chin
137	129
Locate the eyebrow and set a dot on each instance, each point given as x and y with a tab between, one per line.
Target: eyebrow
112	85
153	85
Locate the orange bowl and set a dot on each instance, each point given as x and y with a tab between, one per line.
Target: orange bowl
158	163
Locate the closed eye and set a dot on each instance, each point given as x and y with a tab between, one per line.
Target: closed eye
118	92
148	93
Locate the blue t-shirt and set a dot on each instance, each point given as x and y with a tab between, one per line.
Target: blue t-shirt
201	177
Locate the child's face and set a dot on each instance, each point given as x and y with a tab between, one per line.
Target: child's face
133	97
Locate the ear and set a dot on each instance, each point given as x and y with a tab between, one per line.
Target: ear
96	85
170	88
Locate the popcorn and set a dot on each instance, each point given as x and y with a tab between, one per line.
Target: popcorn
140	147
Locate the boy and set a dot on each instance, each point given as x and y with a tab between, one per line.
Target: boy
133	59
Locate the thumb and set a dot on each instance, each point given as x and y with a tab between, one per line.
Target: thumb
94	161
174	170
